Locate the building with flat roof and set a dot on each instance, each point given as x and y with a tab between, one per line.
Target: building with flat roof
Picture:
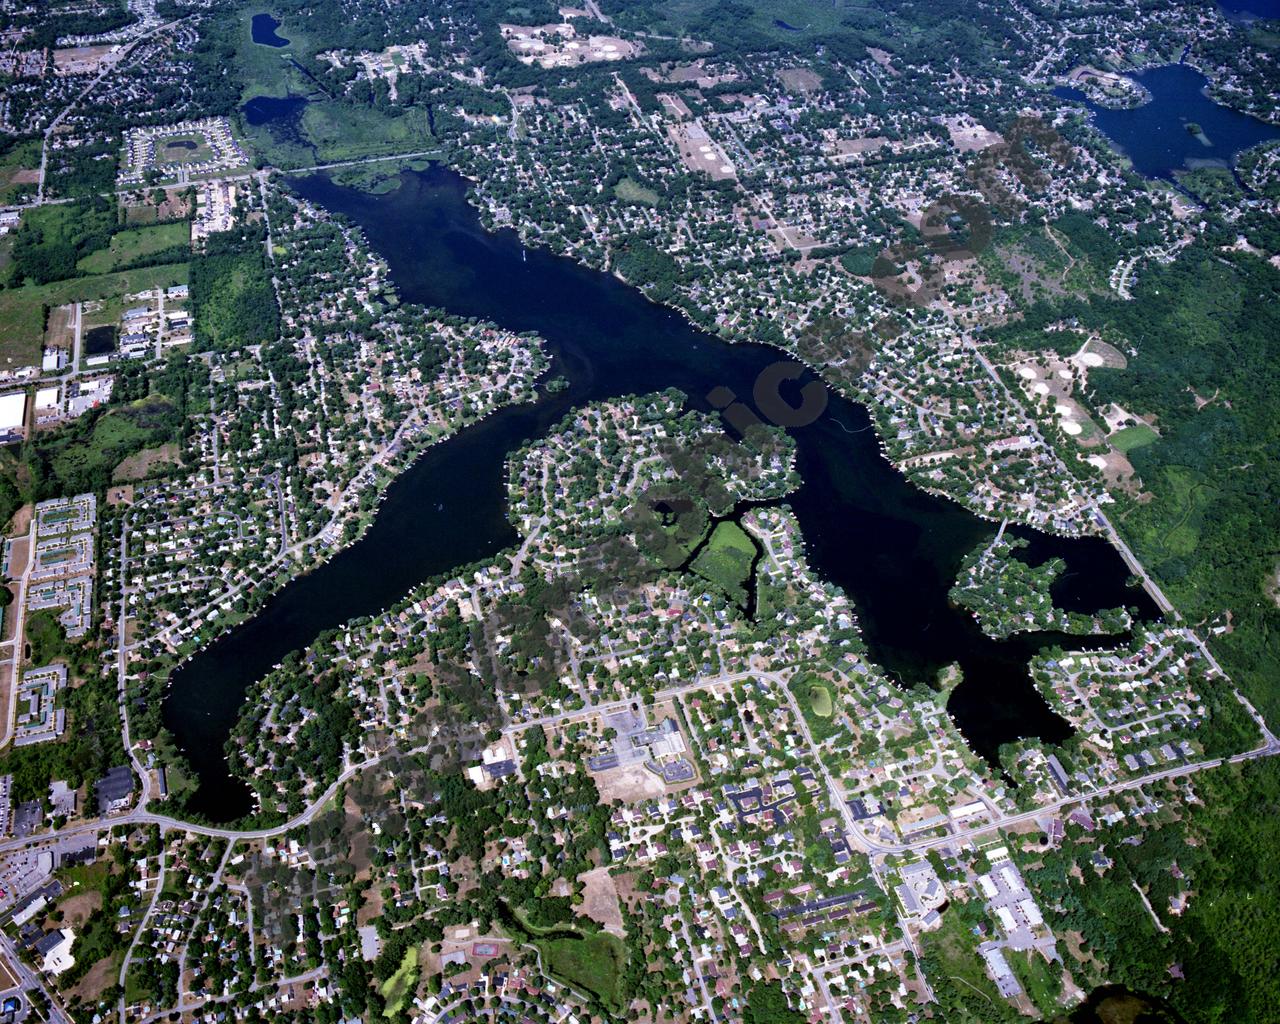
13	414
114	790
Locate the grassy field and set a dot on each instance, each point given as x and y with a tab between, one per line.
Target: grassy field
22	309
24	157
633	192
336	131
128	246
265	70
182	149
397	989
1138	436
594	963
86	462
1040	980
341	132
820	701
953	950
726	560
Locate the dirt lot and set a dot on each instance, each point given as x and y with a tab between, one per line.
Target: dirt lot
7	980
20	552
600	897
968	136
800	80
101	976
80	60
59	333
138	209
853	147
140	464
76	909
1111	356
630	785
372	909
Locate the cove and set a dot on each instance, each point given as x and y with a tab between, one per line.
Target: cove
263	30
894	548
1154	136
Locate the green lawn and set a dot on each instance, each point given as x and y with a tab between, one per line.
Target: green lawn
594	963
128	246
1138	436
726	560
22	309
183	149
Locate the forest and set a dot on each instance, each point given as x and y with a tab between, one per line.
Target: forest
1207	334
231	292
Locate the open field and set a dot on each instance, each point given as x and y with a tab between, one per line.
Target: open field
629	783
346	133
140	465
1137	436
786	21
19	171
146	212
600	900
398	988
633	192
726	560
128	246
22	309
594	963
182	149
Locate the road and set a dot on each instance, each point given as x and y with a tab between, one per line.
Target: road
140	816
142	925
122	672
15	645
1269	748
77	339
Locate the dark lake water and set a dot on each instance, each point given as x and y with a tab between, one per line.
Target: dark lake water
1154	136
892	547
1269	9
263	28
1114	1004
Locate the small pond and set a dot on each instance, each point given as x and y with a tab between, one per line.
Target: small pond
264	32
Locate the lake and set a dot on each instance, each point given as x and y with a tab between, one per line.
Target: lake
1250	9
893	547
1154	136
263	29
